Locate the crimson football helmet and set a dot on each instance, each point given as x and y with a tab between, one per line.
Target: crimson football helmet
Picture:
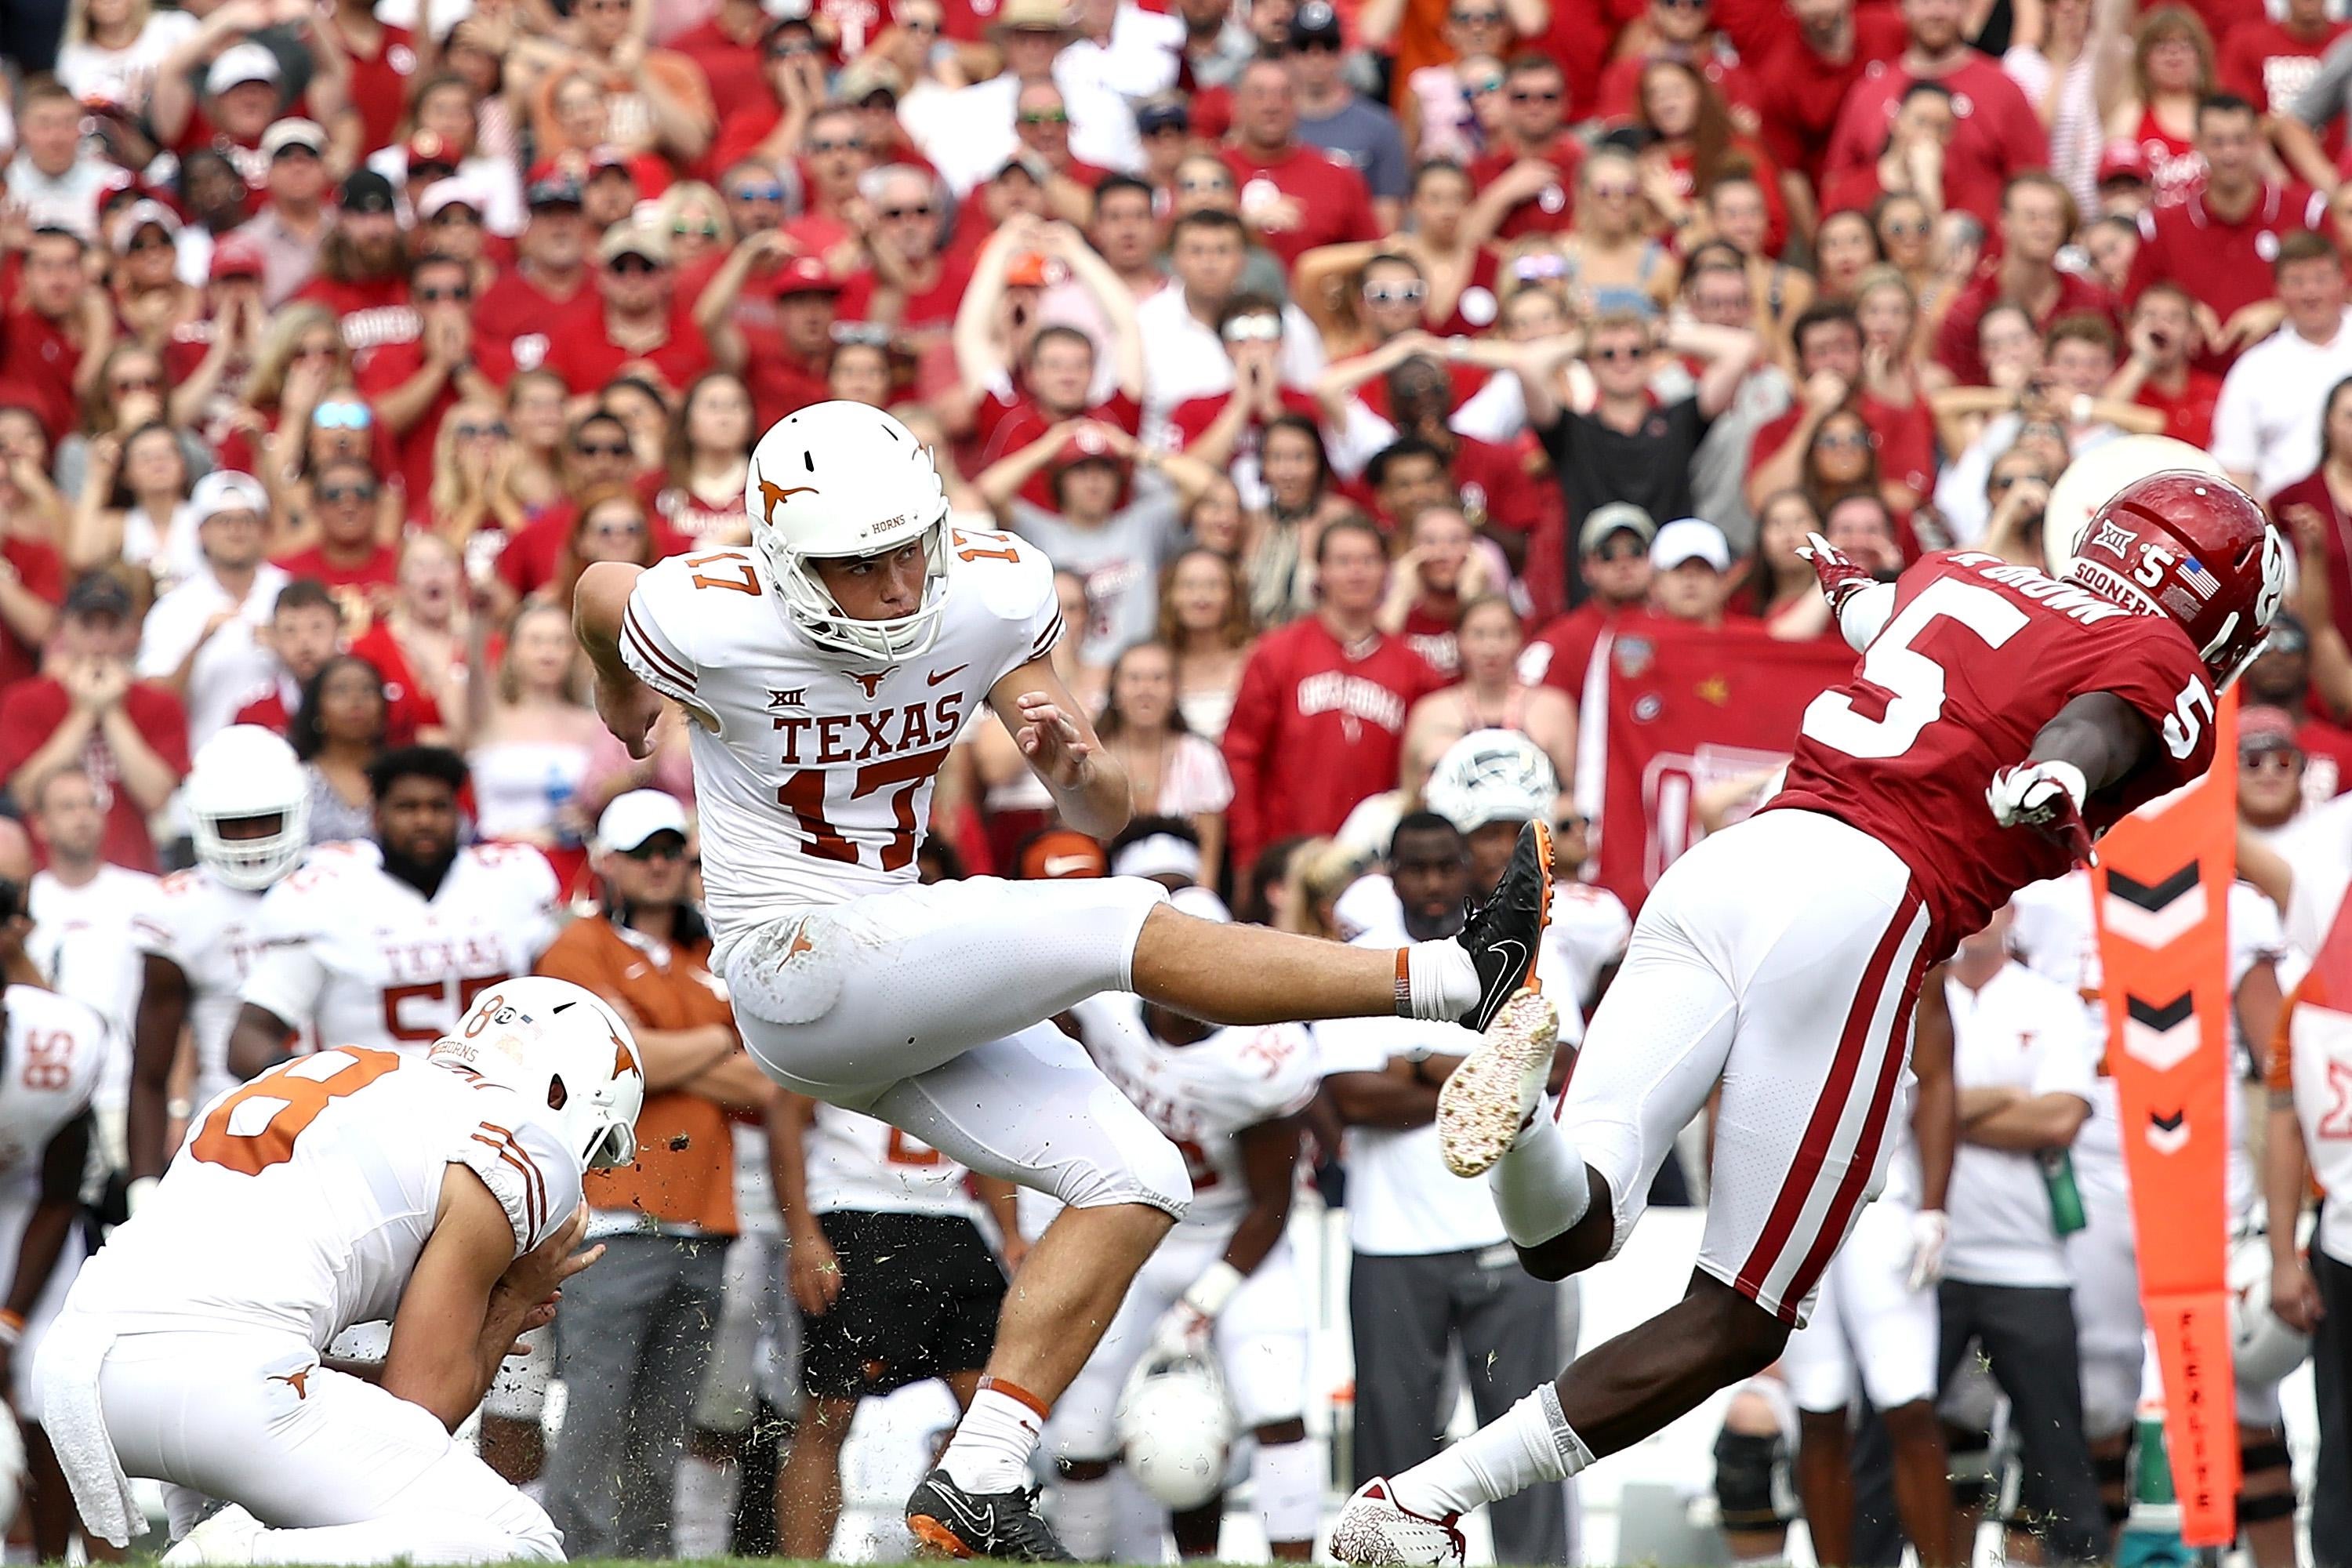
2195	549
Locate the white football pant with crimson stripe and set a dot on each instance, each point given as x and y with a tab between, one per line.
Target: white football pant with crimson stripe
1781	956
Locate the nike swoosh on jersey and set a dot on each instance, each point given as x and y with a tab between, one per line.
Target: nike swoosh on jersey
935	677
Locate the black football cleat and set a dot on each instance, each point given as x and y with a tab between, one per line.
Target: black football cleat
1502	935
949	1522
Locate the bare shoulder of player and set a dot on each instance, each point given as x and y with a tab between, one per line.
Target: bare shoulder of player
536	1182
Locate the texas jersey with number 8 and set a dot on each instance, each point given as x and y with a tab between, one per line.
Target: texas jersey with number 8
849	747
1976	657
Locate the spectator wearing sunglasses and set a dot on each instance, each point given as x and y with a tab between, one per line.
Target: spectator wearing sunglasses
350	556
1441	102
414	385
1334	117
912	281
2281	678
640	327
1527	178
598	456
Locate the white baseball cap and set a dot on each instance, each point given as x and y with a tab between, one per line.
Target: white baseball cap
636	816
225	489
450	192
1159	854
244	62
1690	539
294	131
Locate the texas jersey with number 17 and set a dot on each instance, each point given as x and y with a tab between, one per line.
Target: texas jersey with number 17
813	768
1976	657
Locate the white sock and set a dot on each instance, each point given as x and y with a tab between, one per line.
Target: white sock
1539	1185
1531	1444
1082	1515
1436	982
705	1508
989	1451
1288	1480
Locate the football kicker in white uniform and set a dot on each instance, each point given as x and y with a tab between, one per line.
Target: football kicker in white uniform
198	933
828	669
442	1191
1223	1284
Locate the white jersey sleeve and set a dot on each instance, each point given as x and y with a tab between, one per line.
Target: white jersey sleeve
534	1180
290	976
657	637
1015	581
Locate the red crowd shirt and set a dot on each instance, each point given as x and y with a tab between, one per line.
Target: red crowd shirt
1335	207
1550	210
1955	338
584	354
41	572
2269	66
695	524
30	712
522	315
374	311
1721	64
371	582
1316	727
1995	132
2189	416
1925	800
1003	425
37	361
531	556
380	83
735	68
931	307
1906	437
383	370
2223	264
1798	93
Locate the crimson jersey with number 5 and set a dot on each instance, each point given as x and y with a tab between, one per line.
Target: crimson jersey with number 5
1976	657
813	768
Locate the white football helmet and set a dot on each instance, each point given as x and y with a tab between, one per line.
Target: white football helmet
840	480
242	773
2263	1348
1175	1428
1491	776
558	1046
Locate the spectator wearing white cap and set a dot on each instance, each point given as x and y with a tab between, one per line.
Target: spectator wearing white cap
632	1344
198	640
292	223
1163	850
144	235
1690	571
243	88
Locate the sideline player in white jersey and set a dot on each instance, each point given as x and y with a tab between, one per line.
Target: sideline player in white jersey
386	942
442	1191
894	1279
81	907
1225	1281
56	1049
829	666
198	933
2052	934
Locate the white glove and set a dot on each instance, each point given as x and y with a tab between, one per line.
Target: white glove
1929	1231
1183	1329
2045	794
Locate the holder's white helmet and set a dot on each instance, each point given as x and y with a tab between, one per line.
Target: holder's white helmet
1176	1429
842	480
1491	776
558	1046
243	773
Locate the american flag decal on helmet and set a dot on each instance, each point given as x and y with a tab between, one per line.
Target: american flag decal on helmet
2202	582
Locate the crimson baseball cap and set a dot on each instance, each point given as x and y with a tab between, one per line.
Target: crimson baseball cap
2123	158
805	275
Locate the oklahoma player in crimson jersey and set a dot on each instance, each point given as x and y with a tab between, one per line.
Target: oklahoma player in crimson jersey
1999	719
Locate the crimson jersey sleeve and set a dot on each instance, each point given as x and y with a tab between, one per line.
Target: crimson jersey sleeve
1978	656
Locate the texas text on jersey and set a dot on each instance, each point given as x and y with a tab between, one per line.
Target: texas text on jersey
1976	657
849	747
364	959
